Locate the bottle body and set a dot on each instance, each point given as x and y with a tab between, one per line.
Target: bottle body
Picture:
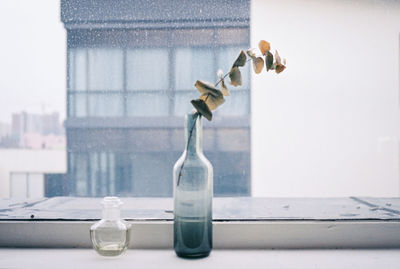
109	238
110	235
193	191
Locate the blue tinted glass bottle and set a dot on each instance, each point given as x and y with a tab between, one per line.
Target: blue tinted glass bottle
193	191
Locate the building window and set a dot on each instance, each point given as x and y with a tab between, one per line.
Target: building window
192	64
105	69
129	81
129	86
147	69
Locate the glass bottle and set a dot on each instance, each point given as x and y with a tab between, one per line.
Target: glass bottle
193	191
110	235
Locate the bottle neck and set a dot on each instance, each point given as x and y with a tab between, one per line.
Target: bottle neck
193	134
111	213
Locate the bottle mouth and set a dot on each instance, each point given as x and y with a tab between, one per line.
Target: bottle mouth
111	201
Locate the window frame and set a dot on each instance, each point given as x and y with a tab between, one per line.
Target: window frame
152	224
232	233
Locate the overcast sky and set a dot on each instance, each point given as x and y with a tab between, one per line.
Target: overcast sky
32	57
329	124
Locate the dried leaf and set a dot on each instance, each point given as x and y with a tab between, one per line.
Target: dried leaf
224	89
258	64
277	58
269	61
251	53
240	60
211	101
264	46
202	108
235	76
284	61
279	68
205	87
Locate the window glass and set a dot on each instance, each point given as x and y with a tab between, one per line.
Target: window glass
105	105
102	174
102	180
147	69
80	103
182	101
151	182
94	174
126	88
147	104
80	173
192	64
237	104
105	69
78	69
111	173
71	105
326	126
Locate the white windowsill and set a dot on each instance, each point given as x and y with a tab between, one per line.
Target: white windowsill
239	223
87	258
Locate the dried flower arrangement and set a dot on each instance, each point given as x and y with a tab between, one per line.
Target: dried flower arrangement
211	97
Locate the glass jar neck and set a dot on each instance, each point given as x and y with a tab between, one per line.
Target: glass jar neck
111	207
193	134
112	213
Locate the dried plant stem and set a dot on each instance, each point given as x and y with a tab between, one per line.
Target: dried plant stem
227	74
221	79
238	63
187	146
192	128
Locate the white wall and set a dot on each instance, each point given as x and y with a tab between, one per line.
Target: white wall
31	161
328	125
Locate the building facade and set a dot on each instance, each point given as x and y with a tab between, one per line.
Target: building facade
131	69
27	173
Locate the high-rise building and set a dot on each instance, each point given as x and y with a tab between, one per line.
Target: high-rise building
6	141
131	70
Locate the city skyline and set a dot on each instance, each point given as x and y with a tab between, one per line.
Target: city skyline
8	119
33	131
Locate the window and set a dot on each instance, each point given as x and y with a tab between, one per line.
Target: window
144	84
328	126
147	82
321	128
147	69
96	82
105	69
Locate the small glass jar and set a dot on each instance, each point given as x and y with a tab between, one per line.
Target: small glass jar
110	235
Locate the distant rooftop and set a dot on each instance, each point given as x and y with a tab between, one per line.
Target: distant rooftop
154	14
